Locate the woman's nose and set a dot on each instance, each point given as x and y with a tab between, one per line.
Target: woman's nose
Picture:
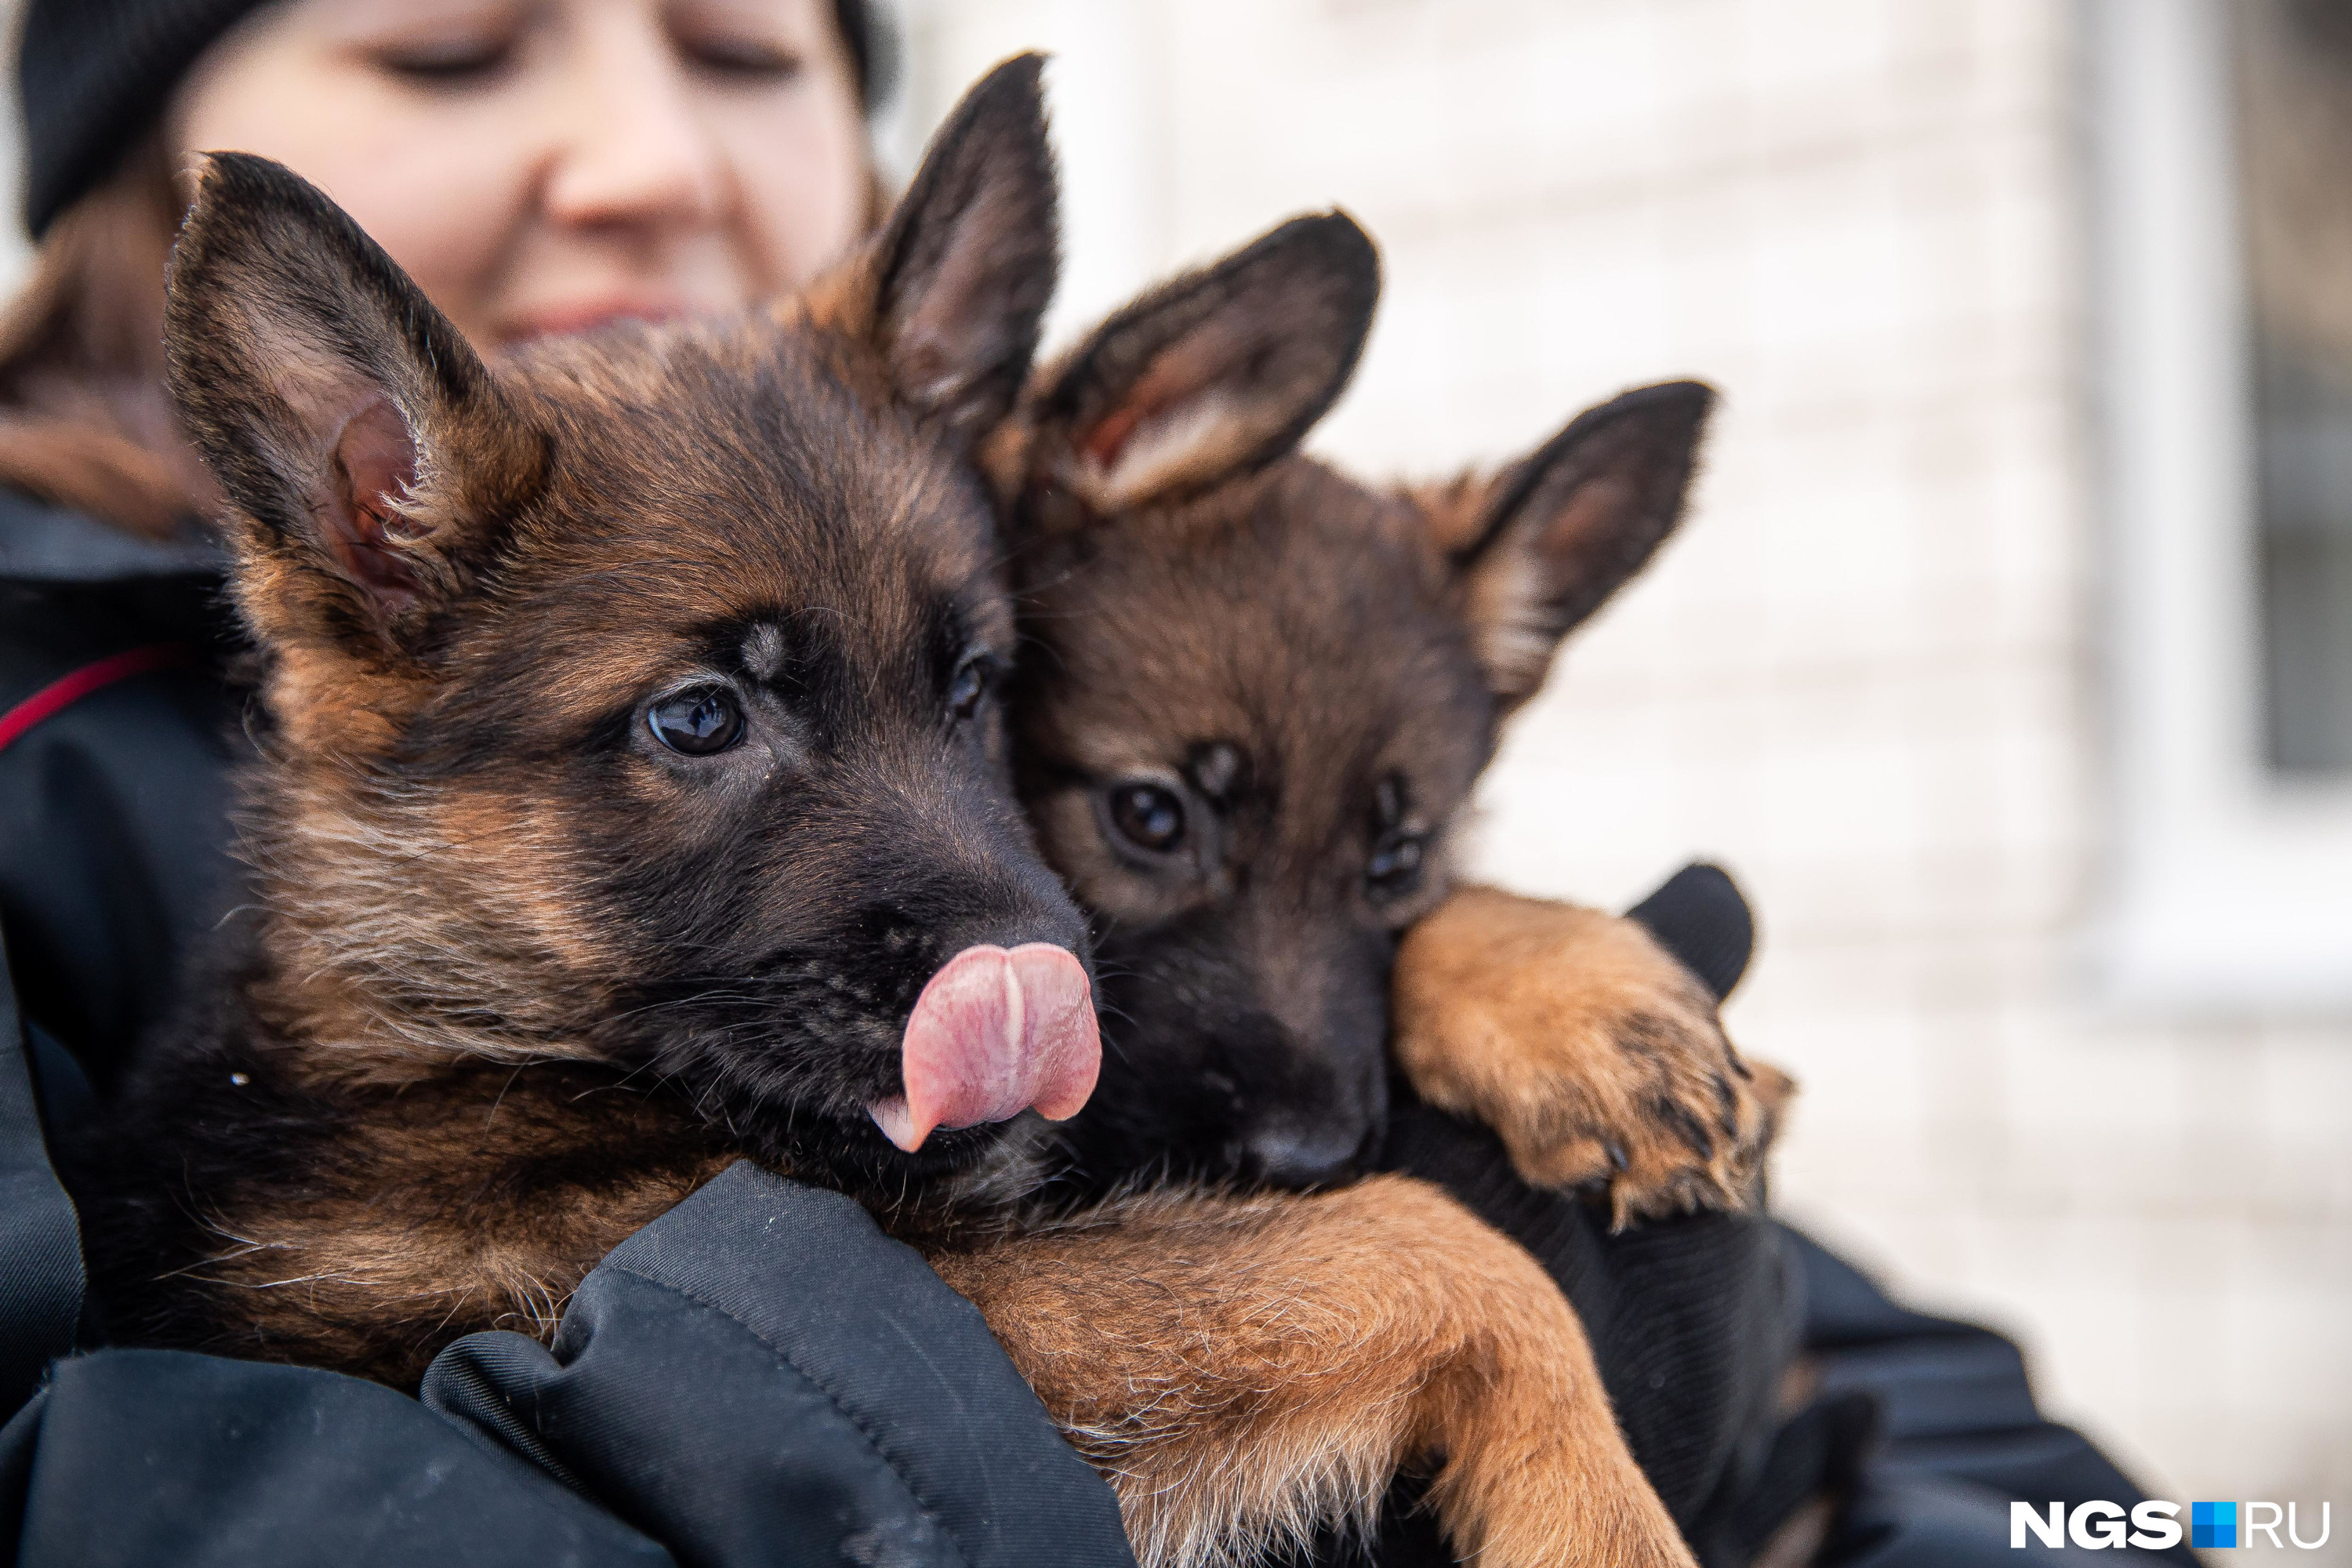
636	152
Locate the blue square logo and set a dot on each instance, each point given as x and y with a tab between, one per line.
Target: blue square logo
2212	1524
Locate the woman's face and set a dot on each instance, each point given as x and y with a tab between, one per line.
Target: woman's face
544	165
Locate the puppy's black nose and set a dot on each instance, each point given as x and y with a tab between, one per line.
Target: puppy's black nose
1319	1154
1025	906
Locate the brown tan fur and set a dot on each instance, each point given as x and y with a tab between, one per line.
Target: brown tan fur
438	1213
1244	1367
1570	1031
519	975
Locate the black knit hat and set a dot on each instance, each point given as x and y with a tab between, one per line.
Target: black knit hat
92	75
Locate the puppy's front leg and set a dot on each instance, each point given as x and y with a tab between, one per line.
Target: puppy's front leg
1587	1047
1242	1368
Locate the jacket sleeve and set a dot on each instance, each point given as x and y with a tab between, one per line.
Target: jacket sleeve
1960	1435
761	1377
140	1457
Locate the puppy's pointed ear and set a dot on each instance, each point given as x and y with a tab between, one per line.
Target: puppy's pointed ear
950	292
1210	376
1538	547
365	446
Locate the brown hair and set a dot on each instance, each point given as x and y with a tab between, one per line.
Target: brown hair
84	422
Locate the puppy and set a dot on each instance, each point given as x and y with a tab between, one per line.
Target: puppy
632	799
1254	698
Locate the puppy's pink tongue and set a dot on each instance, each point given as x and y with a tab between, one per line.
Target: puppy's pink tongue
993	1034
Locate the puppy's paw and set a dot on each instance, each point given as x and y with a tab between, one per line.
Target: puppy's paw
1594	1054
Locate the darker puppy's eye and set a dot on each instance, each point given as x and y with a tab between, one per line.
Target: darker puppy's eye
969	686
1147	816
1394	868
697	722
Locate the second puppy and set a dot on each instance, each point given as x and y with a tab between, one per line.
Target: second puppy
1252	700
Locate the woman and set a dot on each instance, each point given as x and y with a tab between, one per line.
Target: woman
539	167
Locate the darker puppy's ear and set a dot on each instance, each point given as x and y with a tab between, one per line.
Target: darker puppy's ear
366	446
1541	545
1210	376
949	294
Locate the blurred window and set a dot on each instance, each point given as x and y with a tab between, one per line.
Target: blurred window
2221	279
2293	102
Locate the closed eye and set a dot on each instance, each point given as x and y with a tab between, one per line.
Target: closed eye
736	57
459	57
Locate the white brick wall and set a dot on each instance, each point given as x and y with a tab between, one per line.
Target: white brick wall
1868	677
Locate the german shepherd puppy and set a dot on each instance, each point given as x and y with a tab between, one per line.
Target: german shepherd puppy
1253	698
631	799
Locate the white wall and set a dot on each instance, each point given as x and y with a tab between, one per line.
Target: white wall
1867	676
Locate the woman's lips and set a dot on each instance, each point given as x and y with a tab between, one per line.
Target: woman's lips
587	315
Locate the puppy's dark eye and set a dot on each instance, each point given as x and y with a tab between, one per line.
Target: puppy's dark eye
697	722
1394	868
1147	816
969	686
